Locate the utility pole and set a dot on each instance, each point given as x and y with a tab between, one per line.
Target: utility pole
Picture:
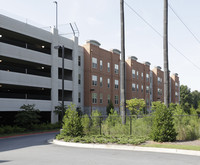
165	52
122	67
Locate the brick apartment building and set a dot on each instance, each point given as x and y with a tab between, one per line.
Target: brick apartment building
102	80
175	88
101	77
138	80
158	84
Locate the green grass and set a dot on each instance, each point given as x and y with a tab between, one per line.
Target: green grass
173	146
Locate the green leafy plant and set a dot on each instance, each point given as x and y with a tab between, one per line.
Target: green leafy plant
135	106
85	120
72	123
163	125
27	117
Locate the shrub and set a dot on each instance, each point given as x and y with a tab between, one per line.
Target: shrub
95	129
72	123
111	122
141	126
163	126
85	120
28	116
187	127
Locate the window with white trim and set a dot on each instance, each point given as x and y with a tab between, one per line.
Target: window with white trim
147	77
101	65
108	83
147	89
108	66
94	80
116	100
94	62
133	87
133	73
94	98
116	68
116	84
101	81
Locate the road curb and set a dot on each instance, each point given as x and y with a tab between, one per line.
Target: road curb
128	148
27	134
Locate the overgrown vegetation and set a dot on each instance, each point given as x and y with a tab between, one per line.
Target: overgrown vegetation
163	125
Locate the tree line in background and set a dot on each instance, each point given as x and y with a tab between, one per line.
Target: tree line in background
189	99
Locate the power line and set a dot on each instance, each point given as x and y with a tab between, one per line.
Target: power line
161	35
184	24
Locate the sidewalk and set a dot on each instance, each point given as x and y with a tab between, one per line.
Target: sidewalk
126	147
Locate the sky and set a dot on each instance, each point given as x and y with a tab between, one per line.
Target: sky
100	20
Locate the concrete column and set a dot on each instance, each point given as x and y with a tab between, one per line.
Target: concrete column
54	75
75	72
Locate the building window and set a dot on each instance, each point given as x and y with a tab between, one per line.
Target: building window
94	80
101	81
116	84
137	74
108	67
176	85
142	75
137	87
101	98
94	98
147	89
133	73
147	77
116	100
108	83
108	99
94	62
159	80
116	69
79	78
159	91
79	60
176	94
133	87
141	88
101	65
79	97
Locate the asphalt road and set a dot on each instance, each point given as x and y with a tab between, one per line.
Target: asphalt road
35	150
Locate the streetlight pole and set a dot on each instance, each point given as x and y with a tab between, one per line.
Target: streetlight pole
56	13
